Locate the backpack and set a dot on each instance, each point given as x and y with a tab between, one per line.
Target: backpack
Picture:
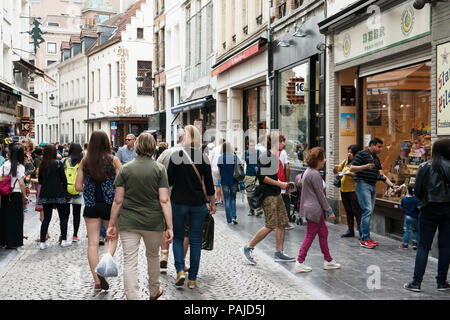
71	175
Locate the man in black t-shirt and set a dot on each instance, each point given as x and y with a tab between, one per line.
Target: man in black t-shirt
368	172
273	205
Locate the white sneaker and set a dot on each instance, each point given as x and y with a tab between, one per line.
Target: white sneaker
331	265
289	227
66	243
301	267
43	246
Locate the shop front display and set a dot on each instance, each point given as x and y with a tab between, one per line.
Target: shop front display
255	110
397	109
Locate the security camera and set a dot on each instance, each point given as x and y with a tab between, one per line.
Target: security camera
419	4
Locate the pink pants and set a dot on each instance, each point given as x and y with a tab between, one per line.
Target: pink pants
312	230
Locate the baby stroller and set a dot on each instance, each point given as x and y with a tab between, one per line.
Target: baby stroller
294	216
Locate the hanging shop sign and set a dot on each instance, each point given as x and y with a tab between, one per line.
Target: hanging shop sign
122	108
26	126
295	90
443	89
393	27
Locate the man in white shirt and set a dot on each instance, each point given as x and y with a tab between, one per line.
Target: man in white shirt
213	159
287	170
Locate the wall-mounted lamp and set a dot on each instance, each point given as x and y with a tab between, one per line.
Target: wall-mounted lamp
283	43
299	32
322	46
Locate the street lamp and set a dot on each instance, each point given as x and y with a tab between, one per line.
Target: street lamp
52	98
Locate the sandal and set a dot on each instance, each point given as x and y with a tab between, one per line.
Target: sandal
161	291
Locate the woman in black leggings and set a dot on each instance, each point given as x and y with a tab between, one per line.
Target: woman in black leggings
71	165
53	194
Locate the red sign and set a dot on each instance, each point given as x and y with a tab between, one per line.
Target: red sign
236	59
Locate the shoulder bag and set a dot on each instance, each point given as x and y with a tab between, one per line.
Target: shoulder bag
337	181
258	194
238	171
208	224
5	184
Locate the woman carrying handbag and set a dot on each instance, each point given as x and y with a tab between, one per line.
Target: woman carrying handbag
13	199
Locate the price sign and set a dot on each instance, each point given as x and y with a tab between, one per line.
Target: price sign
300	88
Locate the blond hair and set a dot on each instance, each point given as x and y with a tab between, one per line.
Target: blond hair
192	138
145	145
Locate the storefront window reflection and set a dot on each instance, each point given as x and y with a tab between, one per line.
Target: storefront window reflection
397	109
293	111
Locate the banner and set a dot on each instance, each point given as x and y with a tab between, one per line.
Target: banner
443	89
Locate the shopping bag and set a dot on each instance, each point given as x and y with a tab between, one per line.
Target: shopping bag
208	233
38	207
107	267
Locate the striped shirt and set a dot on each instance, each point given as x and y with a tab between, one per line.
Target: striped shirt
370	176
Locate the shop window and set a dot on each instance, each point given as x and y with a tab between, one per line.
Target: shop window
140	33
144	69
293	111
255	111
397	109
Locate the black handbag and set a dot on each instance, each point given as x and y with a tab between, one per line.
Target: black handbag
238	172
258	194
208	233
337	181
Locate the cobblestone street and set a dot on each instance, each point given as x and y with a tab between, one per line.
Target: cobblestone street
63	273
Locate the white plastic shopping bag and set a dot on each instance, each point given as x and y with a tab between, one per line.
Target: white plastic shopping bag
107	267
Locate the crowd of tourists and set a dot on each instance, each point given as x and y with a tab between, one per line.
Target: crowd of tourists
162	195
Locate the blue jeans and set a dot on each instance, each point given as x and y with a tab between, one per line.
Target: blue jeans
229	195
367	195
410	224
197	215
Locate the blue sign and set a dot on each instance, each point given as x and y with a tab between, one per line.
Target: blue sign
113	125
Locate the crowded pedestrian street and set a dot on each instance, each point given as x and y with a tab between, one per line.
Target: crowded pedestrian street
63	273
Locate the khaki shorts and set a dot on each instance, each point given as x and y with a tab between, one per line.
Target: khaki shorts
275	212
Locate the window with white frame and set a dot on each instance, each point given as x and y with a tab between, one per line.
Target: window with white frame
52	48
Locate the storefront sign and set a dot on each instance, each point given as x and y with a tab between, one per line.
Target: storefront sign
25	126
348	124
300	88
393	27
443	89
123	58
236	59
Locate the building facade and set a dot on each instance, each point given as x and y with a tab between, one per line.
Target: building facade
118	103
387	79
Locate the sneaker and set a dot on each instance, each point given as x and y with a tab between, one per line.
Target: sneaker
160	293
251	213
443	287
66	243
289	227
248	254
374	242
235	221
181	276
414	245
75	239
97	288
43	246
186	268
330	265
192	284
259	212
412	286
301	267
367	244
404	246
348	234
163	260
280	256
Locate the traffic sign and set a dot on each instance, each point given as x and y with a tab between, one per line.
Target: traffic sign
113	125
113	132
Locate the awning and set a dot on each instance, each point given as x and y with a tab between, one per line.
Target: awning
27	100
191	105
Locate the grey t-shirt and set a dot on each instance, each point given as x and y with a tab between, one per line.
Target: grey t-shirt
126	155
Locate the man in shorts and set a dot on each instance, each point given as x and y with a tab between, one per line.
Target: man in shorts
273	205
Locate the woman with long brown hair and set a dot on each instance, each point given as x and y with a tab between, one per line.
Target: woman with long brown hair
53	193
95	178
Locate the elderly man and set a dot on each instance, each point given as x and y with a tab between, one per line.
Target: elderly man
127	153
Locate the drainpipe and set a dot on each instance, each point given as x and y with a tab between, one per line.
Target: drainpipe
88	100
270	125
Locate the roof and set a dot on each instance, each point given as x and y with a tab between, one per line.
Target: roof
75	38
90	33
65	45
120	21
